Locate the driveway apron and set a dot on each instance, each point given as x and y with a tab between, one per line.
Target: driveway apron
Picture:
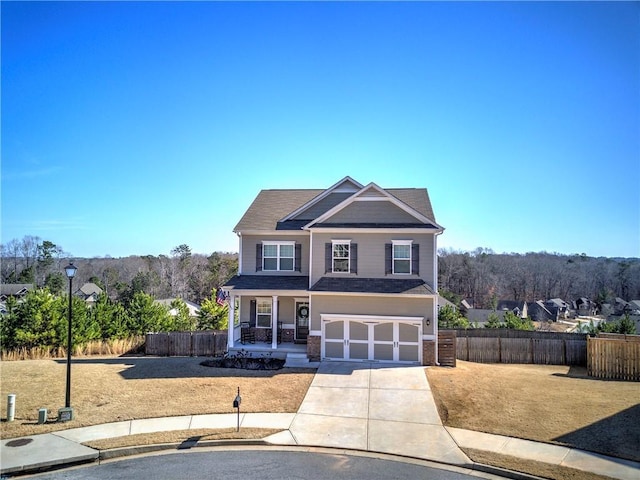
375	407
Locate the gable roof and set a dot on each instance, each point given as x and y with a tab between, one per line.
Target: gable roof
15	288
340	190
89	288
511	305
374	192
293	209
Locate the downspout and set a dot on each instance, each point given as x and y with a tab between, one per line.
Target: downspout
435	284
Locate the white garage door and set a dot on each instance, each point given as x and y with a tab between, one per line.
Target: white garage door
382	339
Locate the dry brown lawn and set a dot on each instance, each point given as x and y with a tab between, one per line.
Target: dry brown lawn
548	403
111	389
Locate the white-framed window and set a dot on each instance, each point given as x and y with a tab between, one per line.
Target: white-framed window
278	256
341	256
402	257
263	312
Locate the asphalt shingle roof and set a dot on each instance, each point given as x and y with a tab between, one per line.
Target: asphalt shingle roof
271	206
266	282
415	286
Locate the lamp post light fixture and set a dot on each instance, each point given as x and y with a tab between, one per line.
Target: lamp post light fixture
65	414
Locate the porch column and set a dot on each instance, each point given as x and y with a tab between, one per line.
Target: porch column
274	323
230	326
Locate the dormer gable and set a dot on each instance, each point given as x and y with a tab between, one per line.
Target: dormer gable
372	206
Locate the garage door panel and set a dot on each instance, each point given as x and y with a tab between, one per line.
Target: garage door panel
334	330
334	350
408	353
382	351
358	331
383	332
359	351
407	332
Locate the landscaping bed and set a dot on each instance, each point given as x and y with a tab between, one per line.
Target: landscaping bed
246	363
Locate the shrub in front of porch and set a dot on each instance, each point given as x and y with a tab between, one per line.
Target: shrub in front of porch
245	361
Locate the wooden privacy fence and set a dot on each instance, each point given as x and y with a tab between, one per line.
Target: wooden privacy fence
501	345
613	356
447	348
186	344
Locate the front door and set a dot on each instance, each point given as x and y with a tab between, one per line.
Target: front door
302	321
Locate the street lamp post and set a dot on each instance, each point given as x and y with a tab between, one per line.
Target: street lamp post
66	413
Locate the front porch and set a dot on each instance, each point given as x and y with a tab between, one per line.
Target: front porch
266	318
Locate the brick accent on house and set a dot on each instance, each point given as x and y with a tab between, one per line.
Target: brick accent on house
313	348
428	352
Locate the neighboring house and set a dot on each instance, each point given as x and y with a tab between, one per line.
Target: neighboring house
479	316
15	290
89	292
514	306
606	309
620	306
194	308
351	271
560	306
634	307
539	312
585	307
442	302
465	305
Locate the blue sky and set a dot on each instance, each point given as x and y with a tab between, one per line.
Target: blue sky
131	128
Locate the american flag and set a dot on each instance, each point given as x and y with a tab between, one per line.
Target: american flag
221	297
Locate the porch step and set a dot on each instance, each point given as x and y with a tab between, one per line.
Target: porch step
299	360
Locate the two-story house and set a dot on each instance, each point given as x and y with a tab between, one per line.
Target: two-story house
350	271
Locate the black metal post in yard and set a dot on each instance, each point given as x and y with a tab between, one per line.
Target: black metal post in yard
67	413
67	401
236	404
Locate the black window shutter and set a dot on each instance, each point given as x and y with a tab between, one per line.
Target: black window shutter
415	259
252	313
298	258
258	257
353	252
328	254
388	258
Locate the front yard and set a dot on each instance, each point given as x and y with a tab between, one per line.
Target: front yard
111	389
548	403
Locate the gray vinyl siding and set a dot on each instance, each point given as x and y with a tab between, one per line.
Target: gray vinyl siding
371	254
371	212
249	243
369	305
286	309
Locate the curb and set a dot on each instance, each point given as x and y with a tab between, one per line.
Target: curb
115	453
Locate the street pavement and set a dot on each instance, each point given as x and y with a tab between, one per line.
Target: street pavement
369	407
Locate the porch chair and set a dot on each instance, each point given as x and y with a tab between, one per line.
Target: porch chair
279	333
247	335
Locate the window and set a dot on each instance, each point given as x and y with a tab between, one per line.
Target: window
263	313
340	256
402	256
278	256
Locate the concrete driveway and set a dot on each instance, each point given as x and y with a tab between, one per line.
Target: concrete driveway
374	407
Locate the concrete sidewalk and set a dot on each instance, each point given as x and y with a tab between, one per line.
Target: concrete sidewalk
358	406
